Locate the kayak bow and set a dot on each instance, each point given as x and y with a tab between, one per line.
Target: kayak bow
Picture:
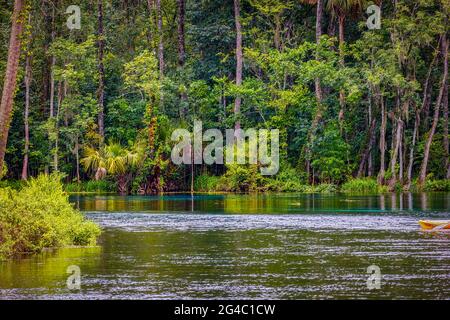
430	225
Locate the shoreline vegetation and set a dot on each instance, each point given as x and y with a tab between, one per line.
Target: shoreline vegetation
205	184
39	216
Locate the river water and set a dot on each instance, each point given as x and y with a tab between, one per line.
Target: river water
285	246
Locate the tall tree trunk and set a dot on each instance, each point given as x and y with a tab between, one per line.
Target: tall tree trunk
181	9
160	39
366	153
396	141
341	62
12	66
77	159
58	109
52	66
101	74
417	122
150	8
239	60
446	142
382	171
319	14
318	90
437	107
331	31
411	151
26	113
277	35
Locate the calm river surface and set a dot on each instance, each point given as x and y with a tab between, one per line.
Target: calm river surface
247	247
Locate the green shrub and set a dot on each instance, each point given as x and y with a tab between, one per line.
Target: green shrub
437	185
325	188
287	180
363	185
241	178
206	183
100	186
40	216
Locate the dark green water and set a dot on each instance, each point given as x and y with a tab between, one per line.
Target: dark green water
247	246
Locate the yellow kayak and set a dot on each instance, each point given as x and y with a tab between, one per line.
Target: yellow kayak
431	224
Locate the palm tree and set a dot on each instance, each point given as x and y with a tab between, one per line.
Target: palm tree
114	160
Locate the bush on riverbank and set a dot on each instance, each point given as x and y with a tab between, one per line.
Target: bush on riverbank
40	216
363	185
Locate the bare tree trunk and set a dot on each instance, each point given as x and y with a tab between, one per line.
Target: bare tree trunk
181	9
396	141
58	109
150	8
12	66
239	60
366	153
417	123
332	26
26	113
382	171
446	142
341	61
52	66
101	74
318	90
277	36
77	158
411	151
437	107
319	13
160	39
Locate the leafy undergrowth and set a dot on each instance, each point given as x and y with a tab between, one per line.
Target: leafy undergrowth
363	185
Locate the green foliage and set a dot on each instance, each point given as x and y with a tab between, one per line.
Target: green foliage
112	159
437	185
363	185
40	216
332	152
142	73
206	183
241	178
287	180
91	186
13	184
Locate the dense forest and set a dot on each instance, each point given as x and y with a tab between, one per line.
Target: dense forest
98	101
